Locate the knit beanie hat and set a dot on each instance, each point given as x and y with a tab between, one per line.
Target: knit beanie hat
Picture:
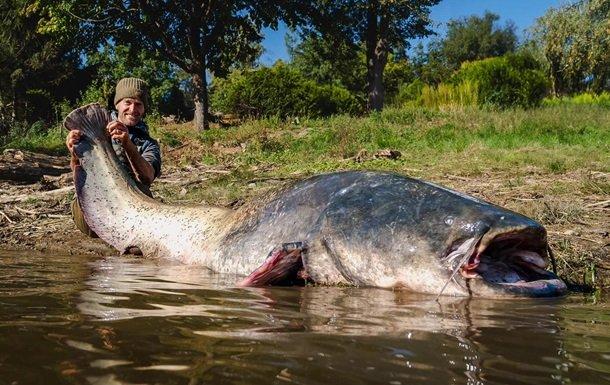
131	88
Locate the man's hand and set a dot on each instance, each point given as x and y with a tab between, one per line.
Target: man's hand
71	140
143	170
119	132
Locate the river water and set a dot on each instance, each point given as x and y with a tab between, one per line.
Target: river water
116	320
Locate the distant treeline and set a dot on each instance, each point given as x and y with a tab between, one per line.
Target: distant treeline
200	57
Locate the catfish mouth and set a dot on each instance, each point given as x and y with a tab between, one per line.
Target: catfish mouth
512	264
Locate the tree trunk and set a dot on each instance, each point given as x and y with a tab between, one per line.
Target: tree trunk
377	56
201	101
556	83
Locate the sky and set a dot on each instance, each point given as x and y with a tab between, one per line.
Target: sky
523	13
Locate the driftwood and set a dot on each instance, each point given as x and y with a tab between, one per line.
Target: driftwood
42	195
602	204
4	216
28	167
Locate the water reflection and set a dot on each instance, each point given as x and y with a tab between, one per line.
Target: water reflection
363	334
131	321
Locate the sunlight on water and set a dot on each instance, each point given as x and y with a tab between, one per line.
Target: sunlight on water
118	320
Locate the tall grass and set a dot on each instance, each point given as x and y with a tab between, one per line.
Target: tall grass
36	138
461	140
586	98
450	95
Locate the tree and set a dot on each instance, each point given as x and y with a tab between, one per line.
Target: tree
476	38
574	41
381	26
201	37
197	35
36	71
329	61
468	39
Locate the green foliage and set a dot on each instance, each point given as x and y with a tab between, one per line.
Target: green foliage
113	62
380	27
464	93
508	81
469	39
37	71
574	41
279	91
397	73
476	38
409	93
586	98
36	137
329	61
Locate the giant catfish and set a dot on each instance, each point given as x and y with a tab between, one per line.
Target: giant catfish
343	228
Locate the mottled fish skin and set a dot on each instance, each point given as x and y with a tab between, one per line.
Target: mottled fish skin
373	229
360	228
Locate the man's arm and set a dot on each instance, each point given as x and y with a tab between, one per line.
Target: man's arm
71	140
143	170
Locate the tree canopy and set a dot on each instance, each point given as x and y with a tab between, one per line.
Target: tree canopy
37	71
381	26
574	42
468	39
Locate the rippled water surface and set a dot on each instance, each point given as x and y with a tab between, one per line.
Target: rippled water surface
117	320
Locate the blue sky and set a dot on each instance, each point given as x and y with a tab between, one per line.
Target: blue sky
522	12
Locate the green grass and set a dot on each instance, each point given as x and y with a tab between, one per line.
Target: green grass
36	138
554	139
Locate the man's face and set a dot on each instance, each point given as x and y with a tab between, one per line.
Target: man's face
131	111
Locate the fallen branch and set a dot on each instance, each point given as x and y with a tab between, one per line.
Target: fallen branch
524	199
44	195
24	211
182	182
264	179
178	147
56	216
6	216
602	203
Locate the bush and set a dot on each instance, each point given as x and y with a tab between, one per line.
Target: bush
396	75
586	98
409	93
279	91
513	80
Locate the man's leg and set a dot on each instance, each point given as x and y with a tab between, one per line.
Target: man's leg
79	219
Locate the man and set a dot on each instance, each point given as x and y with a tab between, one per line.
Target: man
137	151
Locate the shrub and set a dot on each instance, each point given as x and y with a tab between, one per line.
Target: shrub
279	91
586	98
396	75
507	81
409	93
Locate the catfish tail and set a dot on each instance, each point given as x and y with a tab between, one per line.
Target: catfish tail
91	119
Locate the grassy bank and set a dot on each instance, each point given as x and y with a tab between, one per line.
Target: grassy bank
554	139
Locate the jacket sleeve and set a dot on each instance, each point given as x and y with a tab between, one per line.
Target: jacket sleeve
151	152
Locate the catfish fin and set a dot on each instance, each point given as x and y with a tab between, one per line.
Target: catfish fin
91	119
